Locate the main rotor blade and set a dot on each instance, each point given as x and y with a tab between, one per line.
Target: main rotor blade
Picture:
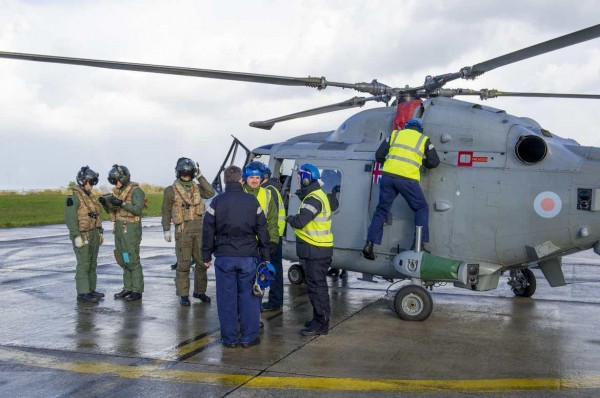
171	70
493	93
351	103
374	88
535	50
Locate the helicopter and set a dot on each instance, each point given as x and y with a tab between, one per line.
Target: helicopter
508	195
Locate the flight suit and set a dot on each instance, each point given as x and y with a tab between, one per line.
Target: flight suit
128	235
182	204
83	218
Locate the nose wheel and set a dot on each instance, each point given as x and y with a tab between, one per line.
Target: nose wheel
522	281
413	303
296	274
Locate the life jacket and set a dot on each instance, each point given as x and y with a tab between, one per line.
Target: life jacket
120	214
187	206
88	204
406	153
318	231
281	213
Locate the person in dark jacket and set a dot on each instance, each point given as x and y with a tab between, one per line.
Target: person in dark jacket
236	233
314	246
402	157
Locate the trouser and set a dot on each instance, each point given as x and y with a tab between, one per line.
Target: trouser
315	271
411	191
235	301
187	244
87	261
276	288
128	237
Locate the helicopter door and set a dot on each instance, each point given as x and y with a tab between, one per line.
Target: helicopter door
347	186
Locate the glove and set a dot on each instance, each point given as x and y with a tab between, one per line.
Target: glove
274	247
167	236
116	201
101	239
78	242
198	172
102	201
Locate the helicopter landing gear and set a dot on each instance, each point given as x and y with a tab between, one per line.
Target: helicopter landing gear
296	274
522	281
413	303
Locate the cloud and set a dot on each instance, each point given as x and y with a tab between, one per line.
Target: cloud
67	116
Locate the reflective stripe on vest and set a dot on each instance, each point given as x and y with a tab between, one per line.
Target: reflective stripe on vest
281	206
318	231
406	153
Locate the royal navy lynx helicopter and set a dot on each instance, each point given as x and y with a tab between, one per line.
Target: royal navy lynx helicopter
508	194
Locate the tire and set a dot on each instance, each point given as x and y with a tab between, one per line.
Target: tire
296	274
413	303
529	290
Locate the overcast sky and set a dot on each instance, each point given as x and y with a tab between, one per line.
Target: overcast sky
56	118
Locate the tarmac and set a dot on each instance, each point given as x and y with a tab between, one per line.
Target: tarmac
475	343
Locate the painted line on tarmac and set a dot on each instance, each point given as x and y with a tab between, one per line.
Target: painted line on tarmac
158	372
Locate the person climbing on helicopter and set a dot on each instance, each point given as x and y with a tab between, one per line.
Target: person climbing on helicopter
402	156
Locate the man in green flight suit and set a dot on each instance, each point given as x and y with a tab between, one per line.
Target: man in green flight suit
182	204
253	176
125	207
82	216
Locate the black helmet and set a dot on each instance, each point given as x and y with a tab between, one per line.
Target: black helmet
87	175
185	166
119	173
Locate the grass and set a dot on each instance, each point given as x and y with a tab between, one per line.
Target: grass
49	208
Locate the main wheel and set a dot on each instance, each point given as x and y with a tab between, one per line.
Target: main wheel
296	274
413	303
525	283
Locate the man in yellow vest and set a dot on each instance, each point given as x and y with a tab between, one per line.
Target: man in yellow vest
182	204
404	154
126	207
273	185
252	176
314	246
83	218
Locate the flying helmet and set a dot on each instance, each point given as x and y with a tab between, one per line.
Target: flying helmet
87	175
265	274
185	166
308	174
119	173
254	169
267	172
414	124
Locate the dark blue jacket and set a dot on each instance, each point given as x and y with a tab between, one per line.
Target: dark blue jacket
232	223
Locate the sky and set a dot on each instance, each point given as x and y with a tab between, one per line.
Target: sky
56	118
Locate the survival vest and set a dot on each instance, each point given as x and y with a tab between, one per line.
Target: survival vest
405	156
187	206
88	212
121	214
318	231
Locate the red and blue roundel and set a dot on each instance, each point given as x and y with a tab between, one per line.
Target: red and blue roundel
547	204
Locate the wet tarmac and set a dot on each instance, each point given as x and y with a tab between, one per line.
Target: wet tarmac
475	343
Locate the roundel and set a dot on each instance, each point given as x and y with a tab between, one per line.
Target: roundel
547	204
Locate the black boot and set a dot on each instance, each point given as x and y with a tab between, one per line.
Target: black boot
368	251
134	296
86	297
333	272
97	294
122	294
202	296
185	301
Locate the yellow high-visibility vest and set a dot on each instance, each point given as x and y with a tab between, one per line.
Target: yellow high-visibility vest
406	153
318	231
281	212
263	196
